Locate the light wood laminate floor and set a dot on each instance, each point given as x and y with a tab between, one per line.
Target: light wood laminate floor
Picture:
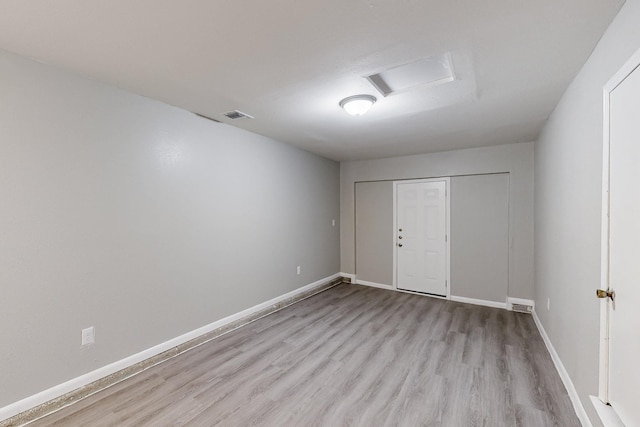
351	355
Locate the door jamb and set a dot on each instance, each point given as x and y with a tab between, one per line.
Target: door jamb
447	202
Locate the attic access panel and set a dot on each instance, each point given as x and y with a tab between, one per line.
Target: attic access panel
431	71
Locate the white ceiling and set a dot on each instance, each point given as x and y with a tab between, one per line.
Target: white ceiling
289	62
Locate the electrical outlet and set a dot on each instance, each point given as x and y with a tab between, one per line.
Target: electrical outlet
548	304
298	270
88	336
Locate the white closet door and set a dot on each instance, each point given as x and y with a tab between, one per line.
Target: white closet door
421	236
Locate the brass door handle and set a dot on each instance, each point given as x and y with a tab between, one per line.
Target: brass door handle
606	294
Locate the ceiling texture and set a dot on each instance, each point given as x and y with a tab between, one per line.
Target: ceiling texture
288	63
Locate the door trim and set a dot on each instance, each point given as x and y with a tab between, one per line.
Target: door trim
447	207
614	82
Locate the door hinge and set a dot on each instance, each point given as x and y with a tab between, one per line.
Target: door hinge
446	238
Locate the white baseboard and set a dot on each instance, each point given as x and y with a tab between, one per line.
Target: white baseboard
494	304
607	415
83	380
374	285
564	375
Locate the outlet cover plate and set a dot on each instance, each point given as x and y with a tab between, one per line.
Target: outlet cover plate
88	336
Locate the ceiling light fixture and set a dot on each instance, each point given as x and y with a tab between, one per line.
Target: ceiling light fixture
357	105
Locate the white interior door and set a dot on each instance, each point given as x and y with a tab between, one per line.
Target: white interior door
624	248
421	236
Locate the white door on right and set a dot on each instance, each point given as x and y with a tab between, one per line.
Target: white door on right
421	236
624	249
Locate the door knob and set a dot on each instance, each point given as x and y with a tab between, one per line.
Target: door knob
400	244
606	294
399	237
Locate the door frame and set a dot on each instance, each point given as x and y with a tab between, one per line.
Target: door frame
447	207
605	306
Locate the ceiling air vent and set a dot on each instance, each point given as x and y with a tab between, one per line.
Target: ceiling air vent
235	114
431	71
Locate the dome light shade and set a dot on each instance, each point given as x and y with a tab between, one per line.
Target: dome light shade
357	105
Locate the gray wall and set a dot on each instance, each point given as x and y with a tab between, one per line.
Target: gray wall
480	237
568	180
140	219
515	159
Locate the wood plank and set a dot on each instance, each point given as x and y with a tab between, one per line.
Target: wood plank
351	355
